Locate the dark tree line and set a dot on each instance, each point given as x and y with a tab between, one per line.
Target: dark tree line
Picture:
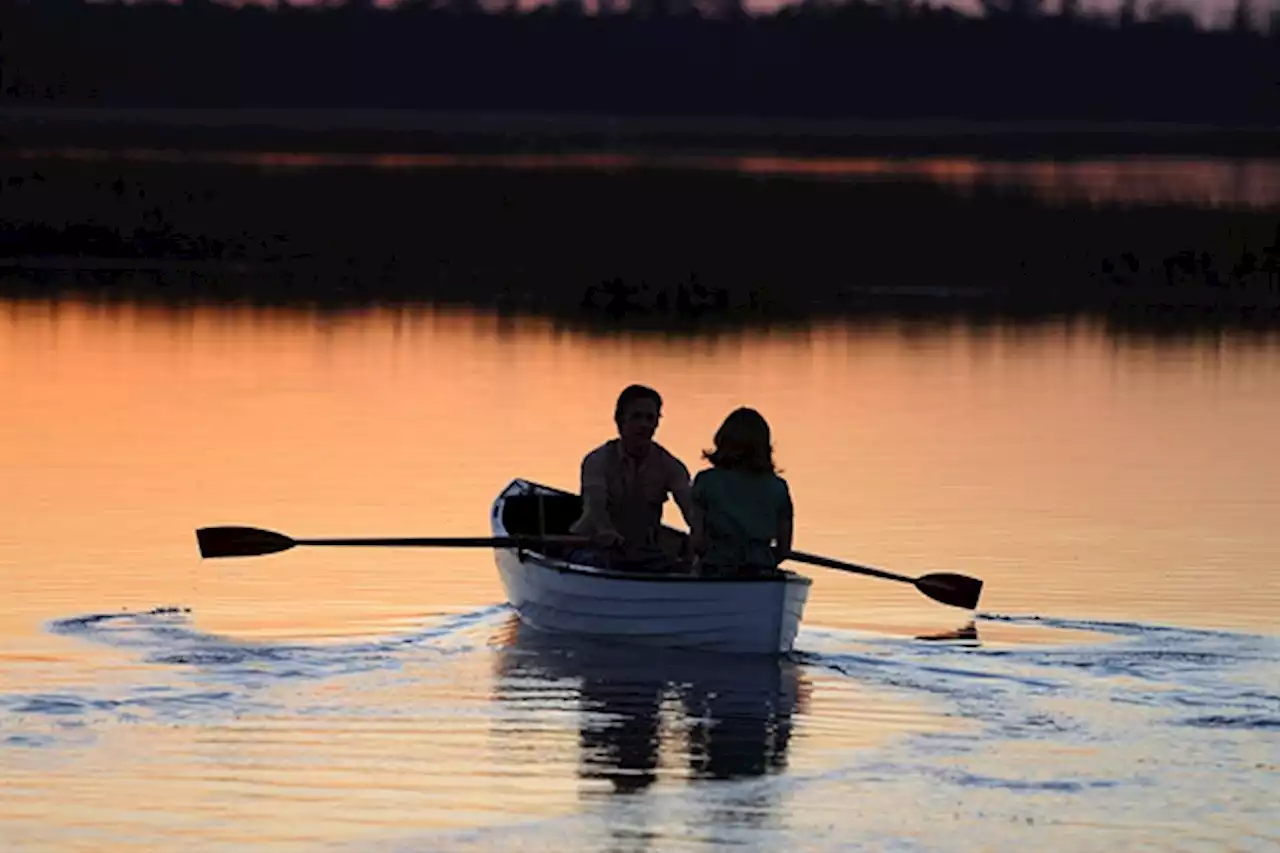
667	57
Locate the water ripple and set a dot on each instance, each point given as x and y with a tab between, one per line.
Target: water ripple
493	736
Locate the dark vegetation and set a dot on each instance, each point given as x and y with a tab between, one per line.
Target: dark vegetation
660	249
893	59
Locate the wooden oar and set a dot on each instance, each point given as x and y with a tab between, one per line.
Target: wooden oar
253	541
953	589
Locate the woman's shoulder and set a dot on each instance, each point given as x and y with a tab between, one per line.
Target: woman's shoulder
707	475
735	478
767	478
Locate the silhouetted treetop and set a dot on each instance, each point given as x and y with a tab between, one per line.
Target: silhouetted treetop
664	57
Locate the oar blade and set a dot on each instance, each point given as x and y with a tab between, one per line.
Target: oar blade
956	590
240	542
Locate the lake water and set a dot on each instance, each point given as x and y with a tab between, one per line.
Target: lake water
1200	181
1118	494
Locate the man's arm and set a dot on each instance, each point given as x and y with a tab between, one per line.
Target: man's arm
698	524
595	521
682	491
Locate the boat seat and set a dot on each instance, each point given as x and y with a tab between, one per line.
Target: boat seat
520	513
520	518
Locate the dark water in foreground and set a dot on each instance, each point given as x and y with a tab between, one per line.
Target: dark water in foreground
1118	689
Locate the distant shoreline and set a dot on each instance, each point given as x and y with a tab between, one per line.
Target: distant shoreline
23	127
662	247
177	282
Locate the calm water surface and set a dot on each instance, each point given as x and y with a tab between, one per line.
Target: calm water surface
1118	495
1204	182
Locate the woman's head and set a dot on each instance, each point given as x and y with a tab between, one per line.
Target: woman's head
743	443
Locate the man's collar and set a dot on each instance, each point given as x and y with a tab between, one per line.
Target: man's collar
621	450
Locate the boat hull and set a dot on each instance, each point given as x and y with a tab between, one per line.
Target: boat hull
739	616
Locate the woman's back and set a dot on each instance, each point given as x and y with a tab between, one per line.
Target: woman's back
743	513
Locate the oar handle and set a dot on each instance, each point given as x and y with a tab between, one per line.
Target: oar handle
814	559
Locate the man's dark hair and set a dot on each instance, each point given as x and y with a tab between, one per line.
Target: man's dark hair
632	393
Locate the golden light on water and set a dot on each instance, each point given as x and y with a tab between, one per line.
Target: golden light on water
126	428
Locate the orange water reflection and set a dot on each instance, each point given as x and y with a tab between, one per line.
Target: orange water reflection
1203	181
1075	475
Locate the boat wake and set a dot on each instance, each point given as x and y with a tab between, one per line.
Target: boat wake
183	675
1147	674
1184	677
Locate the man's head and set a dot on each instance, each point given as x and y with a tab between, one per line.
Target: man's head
637	413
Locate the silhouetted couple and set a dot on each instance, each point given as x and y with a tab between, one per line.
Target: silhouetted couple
739	510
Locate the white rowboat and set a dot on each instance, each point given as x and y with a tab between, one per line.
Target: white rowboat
550	594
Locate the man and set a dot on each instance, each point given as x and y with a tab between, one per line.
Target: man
625	483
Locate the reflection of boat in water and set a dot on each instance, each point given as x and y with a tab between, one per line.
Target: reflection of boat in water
728	716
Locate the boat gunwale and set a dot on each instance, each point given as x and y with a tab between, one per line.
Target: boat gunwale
567	567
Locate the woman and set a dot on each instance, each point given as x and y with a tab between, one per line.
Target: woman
741	504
